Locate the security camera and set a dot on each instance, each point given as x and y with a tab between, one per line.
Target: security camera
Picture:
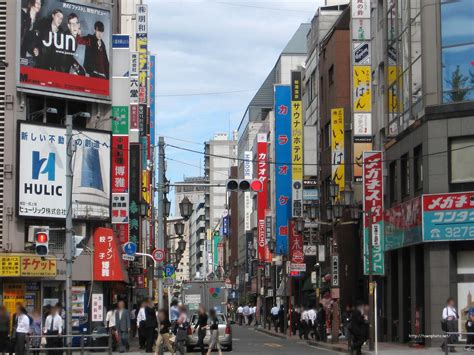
21	106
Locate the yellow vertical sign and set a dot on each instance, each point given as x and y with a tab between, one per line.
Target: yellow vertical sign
296	145
337	146
362	94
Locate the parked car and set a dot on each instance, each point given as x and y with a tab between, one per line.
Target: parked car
225	333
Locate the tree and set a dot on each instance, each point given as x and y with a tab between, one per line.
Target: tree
459	86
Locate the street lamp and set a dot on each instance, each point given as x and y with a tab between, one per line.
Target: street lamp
313	211
329	211
333	189
185	208
338	210
299	225
271	245
167	204
166	187
253	253
347	196
179	228
182	245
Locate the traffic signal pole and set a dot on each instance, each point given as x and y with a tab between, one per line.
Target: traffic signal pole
160	243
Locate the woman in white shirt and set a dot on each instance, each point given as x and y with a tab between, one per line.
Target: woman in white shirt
22	329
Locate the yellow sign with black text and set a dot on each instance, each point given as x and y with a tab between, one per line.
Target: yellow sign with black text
337	146
27	265
362	94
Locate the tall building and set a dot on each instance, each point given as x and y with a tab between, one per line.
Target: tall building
198	237
220	155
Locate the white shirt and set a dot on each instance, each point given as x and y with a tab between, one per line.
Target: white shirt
311	314
57	323
240	309
110	319
449	313
253	310
274	311
304	316
23	324
141	316
246	310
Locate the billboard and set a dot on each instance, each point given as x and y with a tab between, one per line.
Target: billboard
296	248
283	190
107	264
262	174
296	144
42	172
448	216
120	164
337	147
64	47
373	212
248	174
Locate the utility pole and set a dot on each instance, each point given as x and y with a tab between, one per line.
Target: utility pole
69	230
160	215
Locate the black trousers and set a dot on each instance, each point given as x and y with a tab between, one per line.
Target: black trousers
201	336
141	337
54	342
150	337
20	344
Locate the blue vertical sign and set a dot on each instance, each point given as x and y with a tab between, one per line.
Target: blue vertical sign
152	100
282	141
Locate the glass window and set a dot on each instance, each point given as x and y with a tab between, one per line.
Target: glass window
418	167
457	40
393	181
405	175
462	151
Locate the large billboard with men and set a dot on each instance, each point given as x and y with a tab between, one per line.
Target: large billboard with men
64	47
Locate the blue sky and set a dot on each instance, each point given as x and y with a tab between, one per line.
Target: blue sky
207	46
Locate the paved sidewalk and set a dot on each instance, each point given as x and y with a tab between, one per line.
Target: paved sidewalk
383	348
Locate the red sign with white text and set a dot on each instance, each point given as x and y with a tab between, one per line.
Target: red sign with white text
296	245
373	187
448	201
262	175
120	164
107	265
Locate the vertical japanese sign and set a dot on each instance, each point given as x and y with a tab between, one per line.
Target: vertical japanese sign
283	183
373	212
296	144
152	99
97	307
248	174
361	83
107	265
248	248
134	210
262	174
296	250
120	122
215	250
120	164
337	147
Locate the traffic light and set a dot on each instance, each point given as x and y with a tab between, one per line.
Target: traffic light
77	245
42	242
244	185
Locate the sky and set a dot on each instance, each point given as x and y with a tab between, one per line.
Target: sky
213	46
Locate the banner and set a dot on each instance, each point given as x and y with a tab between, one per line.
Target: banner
448	216
337	147
135	194
296	248
283	182
373	212
65	47
296	144
42	172
107	264
120	123
248	174
120	151
152	100
262	174
248	249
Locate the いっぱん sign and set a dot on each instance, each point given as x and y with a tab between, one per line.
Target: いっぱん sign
448	216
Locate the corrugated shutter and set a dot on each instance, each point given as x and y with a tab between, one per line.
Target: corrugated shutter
3	44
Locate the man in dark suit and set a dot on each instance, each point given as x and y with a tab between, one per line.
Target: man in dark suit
150	326
122	324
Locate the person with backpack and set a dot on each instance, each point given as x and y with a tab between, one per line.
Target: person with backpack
359	330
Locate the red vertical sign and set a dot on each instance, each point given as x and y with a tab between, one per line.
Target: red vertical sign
296	245
107	265
120	164
262	174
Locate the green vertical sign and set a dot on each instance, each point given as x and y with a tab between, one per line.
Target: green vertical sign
215	250
120	121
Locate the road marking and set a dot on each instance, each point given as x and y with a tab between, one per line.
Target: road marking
273	345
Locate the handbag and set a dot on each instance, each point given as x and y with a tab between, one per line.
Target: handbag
43	342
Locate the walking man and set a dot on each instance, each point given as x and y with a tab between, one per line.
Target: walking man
450	324
274	312
53	325
122	324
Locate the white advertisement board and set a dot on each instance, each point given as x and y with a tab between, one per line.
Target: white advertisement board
42	172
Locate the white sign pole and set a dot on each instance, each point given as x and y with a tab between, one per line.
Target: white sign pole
375	320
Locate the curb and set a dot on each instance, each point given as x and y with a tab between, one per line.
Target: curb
268	332
327	346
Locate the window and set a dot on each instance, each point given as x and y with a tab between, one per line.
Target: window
321	87
331	75
457	48
393	181
461	153
313	85
405	175
418	167
327	135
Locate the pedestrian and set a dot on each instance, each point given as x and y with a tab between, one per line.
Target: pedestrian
141	317
470	329
122	325
133	321
164	332
4	330
246	313
214	328
274	311
35	331
281	319
174	311
22	329
295	320
201	327
312	323
251	314
321	318
303	322
449	324
150	325
53	328
346	320
359	329
240	311
110	325
181	330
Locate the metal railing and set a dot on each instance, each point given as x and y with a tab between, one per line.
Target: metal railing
82	348
449	346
